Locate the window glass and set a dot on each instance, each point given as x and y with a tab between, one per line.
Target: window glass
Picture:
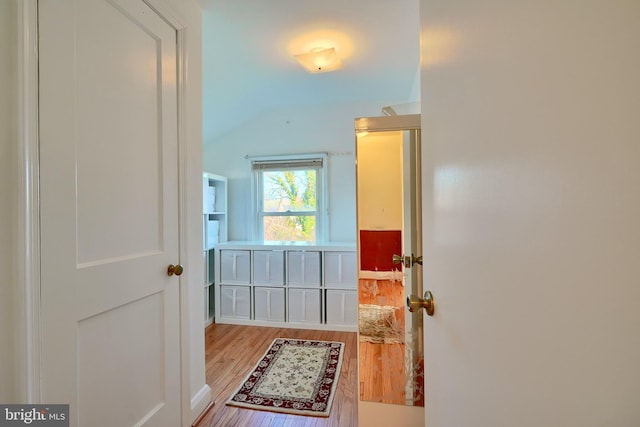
289	202
292	190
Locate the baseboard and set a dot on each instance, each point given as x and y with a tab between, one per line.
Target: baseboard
200	402
291	325
384	414
381	275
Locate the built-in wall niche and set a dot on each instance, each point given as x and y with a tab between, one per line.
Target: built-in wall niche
214	206
214	232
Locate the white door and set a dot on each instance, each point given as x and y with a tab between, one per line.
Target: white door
531	166
108	174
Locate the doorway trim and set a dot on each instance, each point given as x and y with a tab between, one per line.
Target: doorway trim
27	289
27	355
371	412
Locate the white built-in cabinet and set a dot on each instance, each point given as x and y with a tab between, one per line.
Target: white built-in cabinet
296	286
214	228
338	296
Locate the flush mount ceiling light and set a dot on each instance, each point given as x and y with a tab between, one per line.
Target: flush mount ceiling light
320	60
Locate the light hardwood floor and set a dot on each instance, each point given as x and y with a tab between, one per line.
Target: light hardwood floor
232	351
382	367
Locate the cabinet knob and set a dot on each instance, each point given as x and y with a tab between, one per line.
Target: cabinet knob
175	269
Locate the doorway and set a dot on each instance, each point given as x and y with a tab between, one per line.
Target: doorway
391	360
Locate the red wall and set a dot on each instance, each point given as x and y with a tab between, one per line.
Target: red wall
377	248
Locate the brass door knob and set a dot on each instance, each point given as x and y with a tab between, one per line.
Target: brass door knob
406	260
175	269
397	259
416	303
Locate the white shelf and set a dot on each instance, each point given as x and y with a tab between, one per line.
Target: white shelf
214	226
287	285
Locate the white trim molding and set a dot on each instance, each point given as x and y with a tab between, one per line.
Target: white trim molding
28	287
192	406
200	402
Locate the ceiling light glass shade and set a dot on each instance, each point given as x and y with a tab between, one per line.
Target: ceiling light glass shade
320	60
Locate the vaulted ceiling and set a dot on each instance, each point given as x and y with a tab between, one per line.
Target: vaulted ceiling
248	62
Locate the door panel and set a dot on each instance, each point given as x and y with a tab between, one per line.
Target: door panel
532	242
108	172
118	65
133	328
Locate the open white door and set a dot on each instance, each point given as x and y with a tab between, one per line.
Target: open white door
109	212
531	167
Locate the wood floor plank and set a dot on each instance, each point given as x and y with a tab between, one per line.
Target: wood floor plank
232	351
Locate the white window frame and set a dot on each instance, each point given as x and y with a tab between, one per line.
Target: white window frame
322	208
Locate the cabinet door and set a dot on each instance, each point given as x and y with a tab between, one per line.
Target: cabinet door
340	270
268	268
235	267
303	268
342	307
235	302
304	306
269	304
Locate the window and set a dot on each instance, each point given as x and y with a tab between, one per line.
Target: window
289	201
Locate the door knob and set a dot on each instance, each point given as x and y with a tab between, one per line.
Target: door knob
416	303
175	269
406	260
399	259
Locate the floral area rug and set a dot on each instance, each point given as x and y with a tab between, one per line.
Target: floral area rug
293	376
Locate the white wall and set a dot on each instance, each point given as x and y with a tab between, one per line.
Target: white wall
303	130
191	16
380	181
8	196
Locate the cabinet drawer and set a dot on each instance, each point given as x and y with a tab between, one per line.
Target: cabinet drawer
304	305
303	268
235	302
235	267
268	268
341	307
340	270
269	304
